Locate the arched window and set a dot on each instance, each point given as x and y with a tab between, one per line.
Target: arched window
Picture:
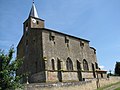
53	64
69	64
85	65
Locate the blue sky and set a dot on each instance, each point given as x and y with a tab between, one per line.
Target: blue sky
94	20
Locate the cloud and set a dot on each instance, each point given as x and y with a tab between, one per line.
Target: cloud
102	67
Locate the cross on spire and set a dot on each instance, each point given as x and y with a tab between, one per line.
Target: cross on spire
33	1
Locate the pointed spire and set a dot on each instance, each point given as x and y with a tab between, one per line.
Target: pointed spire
33	11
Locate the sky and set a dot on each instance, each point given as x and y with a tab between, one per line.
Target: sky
95	20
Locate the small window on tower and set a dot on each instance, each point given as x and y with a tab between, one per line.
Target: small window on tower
37	22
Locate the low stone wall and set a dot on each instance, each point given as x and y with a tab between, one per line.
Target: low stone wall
63	76
70	76
61	86
87	75
85	85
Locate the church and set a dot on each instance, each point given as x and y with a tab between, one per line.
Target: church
52	56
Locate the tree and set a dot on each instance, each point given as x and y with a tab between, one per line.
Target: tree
8	68
117	68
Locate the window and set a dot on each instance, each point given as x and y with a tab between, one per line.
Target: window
52	37
81	44
67	40
37	22
69	64
85	65
53	64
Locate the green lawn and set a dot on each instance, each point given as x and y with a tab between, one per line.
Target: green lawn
101	88
117	88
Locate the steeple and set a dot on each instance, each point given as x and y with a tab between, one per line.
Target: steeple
33	20
33	11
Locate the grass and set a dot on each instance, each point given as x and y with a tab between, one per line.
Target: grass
117	88
101	88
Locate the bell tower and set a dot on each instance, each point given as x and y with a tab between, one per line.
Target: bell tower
33	20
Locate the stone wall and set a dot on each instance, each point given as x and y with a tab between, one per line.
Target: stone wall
85	85
66	76
70	76
58	49
87	75
104	82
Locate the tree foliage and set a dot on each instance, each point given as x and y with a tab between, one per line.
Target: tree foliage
8	68
117	68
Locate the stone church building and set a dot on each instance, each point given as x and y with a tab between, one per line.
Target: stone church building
52	56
